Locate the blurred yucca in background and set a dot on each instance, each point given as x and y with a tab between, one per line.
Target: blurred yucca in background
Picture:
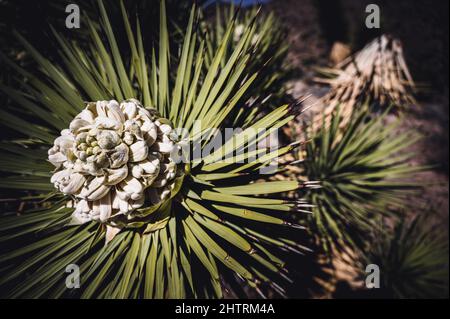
213	225
377	74
363	169
413	258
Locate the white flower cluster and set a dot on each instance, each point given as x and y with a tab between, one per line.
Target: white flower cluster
113	159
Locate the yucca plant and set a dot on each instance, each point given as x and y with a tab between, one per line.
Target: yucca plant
412	257
378	74
267	41
137	223
363	169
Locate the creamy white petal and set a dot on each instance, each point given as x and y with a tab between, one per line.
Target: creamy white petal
105	207
78	124
131	185
120	156
121	194
64	141
129	109
58	176
95	211
76	182
163	147
57	158
87	116
151	165
99	192
114	111
115	201
138	151
83	207
92	186
137	171
124	207
107	123
134	128
128	138
150	131
137	196
165	128
101	108
53	150
115	176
